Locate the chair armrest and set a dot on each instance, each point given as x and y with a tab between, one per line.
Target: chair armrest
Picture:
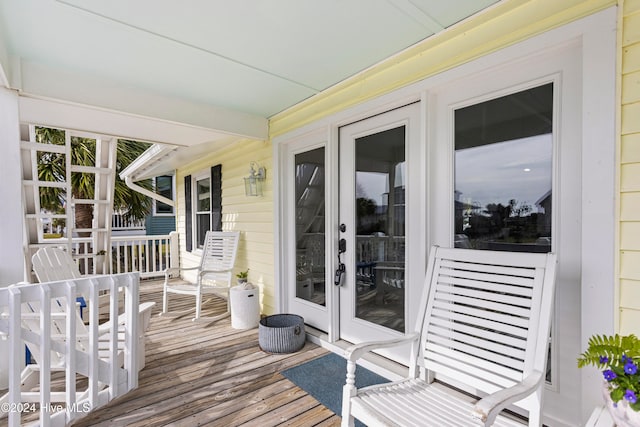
222	270
488	408
178	269
356	351
170	270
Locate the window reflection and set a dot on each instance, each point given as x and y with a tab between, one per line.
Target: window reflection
310	233
503	172
380	228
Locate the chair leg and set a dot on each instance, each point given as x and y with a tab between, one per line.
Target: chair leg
165	301
198	305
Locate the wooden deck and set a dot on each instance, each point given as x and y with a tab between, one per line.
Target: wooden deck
204	373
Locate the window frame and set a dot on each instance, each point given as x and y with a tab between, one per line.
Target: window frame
172	196
214	174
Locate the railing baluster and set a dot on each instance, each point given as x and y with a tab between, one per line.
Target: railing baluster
45	364
16	349
70	379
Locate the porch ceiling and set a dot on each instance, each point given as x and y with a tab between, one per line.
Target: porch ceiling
243	60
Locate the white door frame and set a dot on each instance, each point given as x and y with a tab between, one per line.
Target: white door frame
596	35
410	118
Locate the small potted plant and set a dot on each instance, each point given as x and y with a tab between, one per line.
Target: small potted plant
242	277
618	357
100	256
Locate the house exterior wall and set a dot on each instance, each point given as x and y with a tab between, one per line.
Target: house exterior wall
155	225
508	23
252	216
629	247
500	26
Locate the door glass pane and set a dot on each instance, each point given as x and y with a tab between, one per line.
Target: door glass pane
310	237
380	228
503	172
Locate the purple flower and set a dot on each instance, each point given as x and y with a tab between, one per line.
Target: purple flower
609	375
625	358
630	368
604	359
630	396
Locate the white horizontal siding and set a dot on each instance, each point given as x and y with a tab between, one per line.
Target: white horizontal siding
252	216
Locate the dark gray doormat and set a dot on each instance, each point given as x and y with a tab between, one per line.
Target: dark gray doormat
324	377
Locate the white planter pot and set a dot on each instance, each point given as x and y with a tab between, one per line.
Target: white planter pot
621	412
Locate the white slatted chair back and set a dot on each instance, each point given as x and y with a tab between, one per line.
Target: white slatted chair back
219	256
487	318
53	263
214	273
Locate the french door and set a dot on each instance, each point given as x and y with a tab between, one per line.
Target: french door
379	237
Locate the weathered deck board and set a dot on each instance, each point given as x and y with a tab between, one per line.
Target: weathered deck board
206	373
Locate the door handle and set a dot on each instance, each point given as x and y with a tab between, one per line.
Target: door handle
339	273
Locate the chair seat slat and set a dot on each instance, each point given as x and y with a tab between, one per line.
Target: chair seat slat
414	399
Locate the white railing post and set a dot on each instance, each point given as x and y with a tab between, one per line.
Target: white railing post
45	356
15	348
132	338
174	250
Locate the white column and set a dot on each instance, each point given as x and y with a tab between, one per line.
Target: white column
11	226
11	215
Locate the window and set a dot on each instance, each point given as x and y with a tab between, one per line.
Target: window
203	209
503	172
203	205
164	186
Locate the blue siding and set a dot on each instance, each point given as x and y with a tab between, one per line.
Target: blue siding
160	224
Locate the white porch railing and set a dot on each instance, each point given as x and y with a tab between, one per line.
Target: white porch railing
119	222
148	255
37	315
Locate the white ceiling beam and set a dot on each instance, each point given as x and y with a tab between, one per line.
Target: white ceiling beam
77	117
45	82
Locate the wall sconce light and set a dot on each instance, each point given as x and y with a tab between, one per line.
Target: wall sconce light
253	183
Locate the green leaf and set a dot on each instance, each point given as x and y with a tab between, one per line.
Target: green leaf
617	394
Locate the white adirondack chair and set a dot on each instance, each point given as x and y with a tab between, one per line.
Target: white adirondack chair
49	325
484	328
214	273
53	264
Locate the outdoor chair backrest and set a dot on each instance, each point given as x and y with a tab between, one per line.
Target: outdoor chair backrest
487	318
219	255
52	264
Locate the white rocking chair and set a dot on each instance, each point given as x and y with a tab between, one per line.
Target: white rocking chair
214	272
484	329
